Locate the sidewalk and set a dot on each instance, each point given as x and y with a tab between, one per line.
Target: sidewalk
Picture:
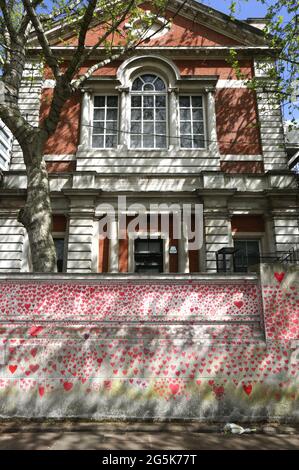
141	436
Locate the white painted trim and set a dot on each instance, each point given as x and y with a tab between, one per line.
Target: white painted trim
26	264
167	48
129	63
95	247
241	158
59	158
231	84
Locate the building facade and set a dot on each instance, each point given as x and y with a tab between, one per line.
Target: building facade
171	125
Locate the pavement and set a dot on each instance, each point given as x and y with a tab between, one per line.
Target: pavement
142	436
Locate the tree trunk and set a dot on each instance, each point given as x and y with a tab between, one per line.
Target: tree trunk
36	216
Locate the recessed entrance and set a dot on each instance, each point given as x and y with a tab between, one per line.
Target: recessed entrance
148	255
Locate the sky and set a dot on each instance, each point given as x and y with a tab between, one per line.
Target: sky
250	9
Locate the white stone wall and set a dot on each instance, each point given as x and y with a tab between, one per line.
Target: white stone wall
5	146
12	235
80	245
271	131
286	232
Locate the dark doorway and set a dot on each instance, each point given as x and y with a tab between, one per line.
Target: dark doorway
148	255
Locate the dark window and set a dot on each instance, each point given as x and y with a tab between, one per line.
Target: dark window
59	246
247	255
148	255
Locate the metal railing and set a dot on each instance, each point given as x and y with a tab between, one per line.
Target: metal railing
231	260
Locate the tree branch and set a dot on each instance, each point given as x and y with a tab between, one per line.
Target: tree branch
8	23
42	38
86	20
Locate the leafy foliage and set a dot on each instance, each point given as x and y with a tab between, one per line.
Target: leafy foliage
282	34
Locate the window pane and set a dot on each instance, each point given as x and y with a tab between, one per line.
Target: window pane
148	128
135	141
148	114
197	114
148	87
136	114
161	142
185	114
141	245
185	128
186	141
184	101
111	141
148	78
112	101
148	101
160	101
137	84
98	127
136	127
198	142
253	247
59	247
112	114
160	128
99	101
196	101
148	141
161	114
111	127
98	141
198	127
136	101
99	114
155	246
159	85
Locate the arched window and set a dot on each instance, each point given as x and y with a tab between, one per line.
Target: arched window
148	113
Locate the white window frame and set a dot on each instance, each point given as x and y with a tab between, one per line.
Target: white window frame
152	93
204	120
94	95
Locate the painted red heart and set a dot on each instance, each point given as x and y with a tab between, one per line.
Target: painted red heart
12	369
247	389
33	352
67	386
41	391
35	330
279	276
239	303
34	367
174	388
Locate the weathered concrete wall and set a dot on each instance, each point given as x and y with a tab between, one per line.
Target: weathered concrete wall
176	347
